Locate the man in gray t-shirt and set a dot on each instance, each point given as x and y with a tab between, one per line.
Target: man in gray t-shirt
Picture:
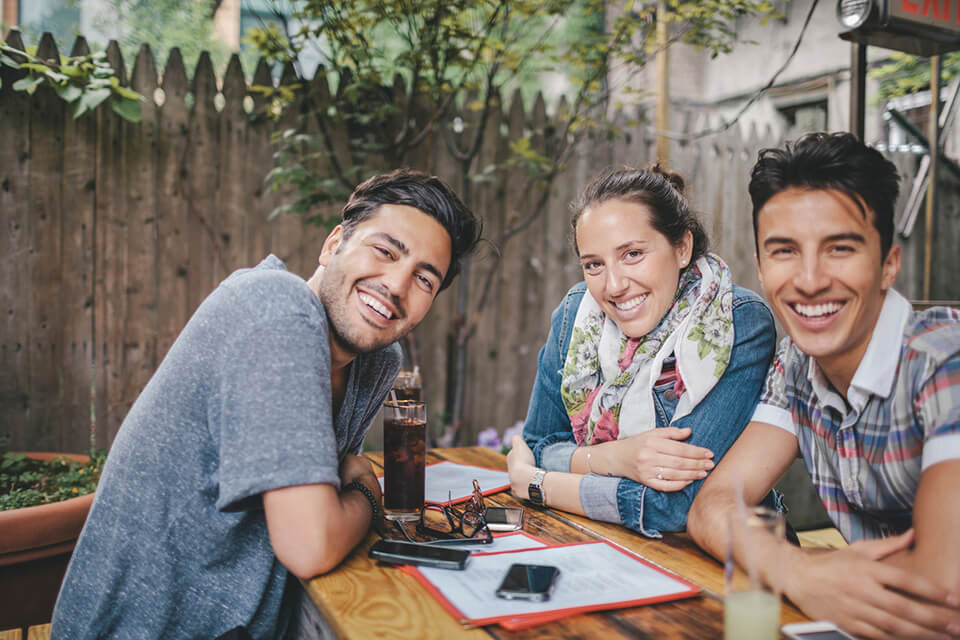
238	464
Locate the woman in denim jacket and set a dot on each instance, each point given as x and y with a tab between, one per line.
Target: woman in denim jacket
653	365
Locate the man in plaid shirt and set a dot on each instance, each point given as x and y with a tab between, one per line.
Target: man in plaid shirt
864	388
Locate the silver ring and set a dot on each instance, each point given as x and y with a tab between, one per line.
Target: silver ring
659	473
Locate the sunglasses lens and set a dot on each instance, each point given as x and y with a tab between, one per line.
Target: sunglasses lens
435	519
472	523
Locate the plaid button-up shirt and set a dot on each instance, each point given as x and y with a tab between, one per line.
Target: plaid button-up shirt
901	415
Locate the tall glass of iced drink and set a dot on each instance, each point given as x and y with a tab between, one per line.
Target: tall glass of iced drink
404	454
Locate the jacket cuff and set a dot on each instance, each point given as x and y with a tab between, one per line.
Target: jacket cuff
598	495
557	456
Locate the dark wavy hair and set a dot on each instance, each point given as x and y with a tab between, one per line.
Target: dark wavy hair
659	190
838	161
426	193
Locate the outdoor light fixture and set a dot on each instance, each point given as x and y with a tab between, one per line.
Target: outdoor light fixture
920	27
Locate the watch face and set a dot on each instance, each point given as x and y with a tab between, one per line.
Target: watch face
536	495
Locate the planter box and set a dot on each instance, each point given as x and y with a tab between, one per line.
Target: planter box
35	547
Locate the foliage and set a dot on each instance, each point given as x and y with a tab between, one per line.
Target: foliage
82	81
397	70
164	24
25	482
908	74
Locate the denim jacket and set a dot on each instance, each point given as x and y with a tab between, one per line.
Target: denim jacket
715	422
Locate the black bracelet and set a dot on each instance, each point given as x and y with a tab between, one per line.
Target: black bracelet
362	488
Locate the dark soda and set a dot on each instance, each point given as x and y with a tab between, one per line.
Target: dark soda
404	456
408	393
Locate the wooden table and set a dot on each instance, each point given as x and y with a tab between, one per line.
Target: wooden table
362	599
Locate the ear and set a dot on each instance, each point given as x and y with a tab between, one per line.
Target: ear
330	245
891	267
685	248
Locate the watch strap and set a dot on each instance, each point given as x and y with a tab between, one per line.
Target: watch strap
535	488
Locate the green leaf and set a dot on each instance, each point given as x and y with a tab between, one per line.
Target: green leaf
127	109
90	101
28	84
127	93
69	92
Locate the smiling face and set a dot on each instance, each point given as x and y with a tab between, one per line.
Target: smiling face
379	283
821	267
631	269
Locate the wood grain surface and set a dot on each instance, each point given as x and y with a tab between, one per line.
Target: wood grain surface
362	599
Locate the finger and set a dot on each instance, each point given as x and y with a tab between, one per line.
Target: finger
683	450
673	433
904	615
666	486
883	547
916	585
683	464
667	473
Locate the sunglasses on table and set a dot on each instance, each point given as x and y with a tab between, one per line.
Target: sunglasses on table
444	524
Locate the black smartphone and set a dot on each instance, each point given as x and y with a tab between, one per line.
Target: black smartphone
424	555
503	518
532	582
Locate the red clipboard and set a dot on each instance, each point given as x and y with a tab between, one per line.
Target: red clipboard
522	621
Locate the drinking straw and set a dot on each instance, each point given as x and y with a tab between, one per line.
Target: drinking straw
393	397
742	514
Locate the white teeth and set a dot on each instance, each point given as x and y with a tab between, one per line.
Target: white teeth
631	303
817	310
376	305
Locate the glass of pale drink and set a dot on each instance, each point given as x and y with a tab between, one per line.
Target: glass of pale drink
751	609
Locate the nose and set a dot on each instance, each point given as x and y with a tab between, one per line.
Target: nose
616	282
397	280
812	277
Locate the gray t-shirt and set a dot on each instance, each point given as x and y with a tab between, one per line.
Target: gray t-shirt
176	544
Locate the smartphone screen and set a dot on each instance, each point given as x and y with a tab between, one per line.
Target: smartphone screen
528	582
503	518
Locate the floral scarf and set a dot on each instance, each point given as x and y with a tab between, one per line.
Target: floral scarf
603	364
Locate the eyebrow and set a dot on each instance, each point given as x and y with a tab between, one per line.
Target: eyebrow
619	247
837	237
398	244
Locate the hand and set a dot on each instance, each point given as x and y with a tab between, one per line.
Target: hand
521	466
871	599
359	468
654	458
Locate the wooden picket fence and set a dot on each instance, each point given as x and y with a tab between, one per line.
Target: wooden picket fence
114	232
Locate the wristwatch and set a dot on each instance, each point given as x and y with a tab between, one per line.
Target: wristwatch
535	488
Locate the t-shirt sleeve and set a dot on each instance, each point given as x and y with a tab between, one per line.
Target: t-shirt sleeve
276	425
938	407
774	405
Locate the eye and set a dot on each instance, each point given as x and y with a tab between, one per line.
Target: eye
383	252
592	267
782	252
842	249
425	283
633	255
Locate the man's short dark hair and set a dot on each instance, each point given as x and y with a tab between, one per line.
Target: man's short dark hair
838	161
426	193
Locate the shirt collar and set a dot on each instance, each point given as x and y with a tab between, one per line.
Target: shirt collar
877	369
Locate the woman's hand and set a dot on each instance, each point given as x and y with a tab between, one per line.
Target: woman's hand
655	458
521	465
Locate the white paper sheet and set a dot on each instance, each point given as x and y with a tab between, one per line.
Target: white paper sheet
590	574
458	479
